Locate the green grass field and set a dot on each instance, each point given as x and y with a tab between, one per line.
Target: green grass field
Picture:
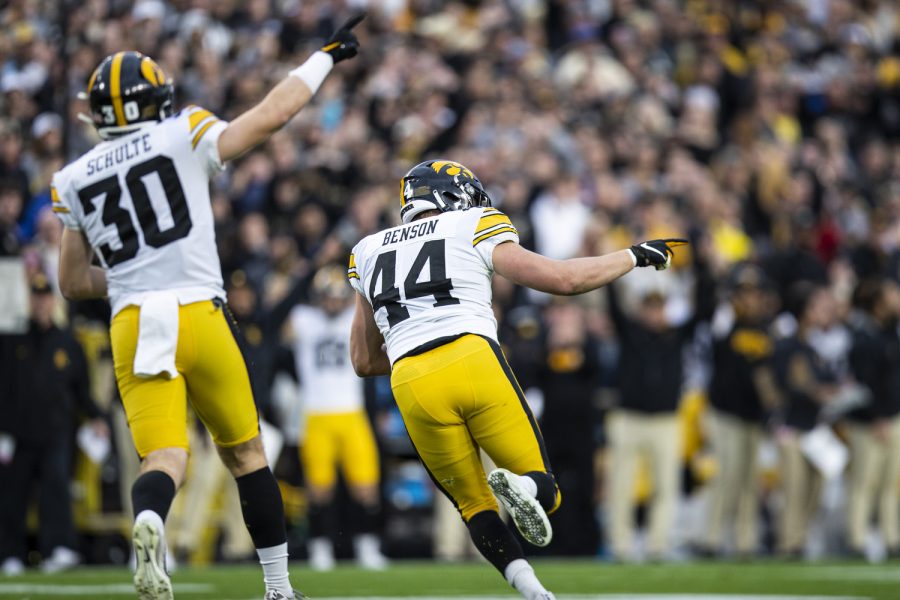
585	580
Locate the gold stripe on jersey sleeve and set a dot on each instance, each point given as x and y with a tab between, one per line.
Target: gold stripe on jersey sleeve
352	276
352	264
115	83
54	195
489	221
491	234
60	209
201	131
197	116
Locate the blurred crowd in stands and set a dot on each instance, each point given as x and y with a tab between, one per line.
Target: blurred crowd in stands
768	133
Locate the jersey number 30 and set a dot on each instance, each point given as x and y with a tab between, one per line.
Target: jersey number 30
438	284
113	214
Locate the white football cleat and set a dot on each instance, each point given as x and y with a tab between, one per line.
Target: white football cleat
150	578
368	553
526	512
321	555
12	567
61	559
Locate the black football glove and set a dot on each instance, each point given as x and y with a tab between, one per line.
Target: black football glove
343	43
656	253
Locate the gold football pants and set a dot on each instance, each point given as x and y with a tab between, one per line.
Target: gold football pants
212	374
342	440
456	398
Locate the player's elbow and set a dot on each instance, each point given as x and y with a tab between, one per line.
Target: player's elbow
567	281
557	278
70	286
369	364
362	365
275	115
363	368
278	119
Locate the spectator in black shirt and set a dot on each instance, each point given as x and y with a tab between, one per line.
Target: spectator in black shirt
645	422
741	392
806	385
568	378
874	430
44	378
11	203
796	260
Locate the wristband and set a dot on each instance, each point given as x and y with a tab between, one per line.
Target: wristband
314	71
633	257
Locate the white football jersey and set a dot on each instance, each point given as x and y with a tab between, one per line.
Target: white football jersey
431	279
142	200
322	353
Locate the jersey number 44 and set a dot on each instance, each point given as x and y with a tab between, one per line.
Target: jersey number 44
438	285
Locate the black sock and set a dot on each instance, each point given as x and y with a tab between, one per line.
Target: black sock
494	539
368	517
322	518
546	489
262	507
153	490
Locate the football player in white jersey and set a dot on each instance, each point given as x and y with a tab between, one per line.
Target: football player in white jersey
140	201
423	315
338	434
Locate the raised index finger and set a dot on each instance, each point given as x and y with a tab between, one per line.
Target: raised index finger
675	242
354	21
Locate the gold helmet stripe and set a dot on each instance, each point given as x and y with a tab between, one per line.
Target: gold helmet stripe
402	197
115	82
93	79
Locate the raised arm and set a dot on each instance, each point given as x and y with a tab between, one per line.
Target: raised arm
289	96
78	279
577	275
278	314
